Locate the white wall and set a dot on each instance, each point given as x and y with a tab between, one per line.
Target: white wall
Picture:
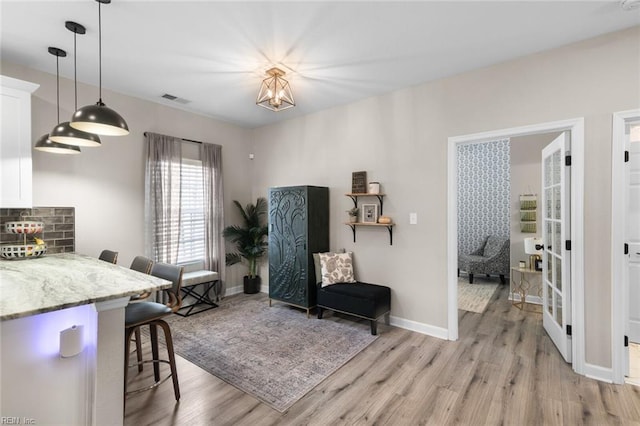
106	184
400	139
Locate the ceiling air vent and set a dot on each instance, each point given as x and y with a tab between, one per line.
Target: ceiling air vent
175	99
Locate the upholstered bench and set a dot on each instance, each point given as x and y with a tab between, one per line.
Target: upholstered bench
363	300
368	301
198	283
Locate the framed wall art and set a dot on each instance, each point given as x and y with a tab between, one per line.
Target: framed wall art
359	182
369	213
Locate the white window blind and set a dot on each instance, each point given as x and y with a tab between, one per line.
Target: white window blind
192	244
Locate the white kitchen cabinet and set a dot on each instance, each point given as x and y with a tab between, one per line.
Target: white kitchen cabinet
15	142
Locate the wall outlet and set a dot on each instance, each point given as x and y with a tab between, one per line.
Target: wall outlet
413	218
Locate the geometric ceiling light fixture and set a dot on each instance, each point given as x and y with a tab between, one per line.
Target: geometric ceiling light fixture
44	143
63	132
98	118
275	93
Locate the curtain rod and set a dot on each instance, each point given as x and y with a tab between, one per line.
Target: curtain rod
183	139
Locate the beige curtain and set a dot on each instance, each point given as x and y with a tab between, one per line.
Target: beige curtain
211	156
162	188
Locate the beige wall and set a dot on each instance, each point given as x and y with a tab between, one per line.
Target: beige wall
400	139
106	184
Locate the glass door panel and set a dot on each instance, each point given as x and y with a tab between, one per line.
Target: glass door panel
556	267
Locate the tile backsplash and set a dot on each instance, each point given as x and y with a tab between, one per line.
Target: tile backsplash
59	226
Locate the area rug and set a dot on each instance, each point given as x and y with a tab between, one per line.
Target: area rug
275	354
474	297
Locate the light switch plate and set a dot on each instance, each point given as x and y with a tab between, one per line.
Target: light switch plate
413	218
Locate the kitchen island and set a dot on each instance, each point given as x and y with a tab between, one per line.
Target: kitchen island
41	297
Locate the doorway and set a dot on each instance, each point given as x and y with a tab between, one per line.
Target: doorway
625	247
575	128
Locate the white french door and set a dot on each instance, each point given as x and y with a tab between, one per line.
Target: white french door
632	234
556	231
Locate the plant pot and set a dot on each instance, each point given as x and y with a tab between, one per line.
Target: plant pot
252	285
353	219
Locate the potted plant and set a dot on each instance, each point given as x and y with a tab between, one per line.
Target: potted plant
250	241
353	215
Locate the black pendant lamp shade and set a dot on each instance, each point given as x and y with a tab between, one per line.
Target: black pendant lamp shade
44	143
63	132
47	145
99	118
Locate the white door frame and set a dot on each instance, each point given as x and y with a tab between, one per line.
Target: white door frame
576	128
618	214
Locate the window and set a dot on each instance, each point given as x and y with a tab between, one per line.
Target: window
184	213
192	239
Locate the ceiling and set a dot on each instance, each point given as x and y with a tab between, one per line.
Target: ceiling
214	54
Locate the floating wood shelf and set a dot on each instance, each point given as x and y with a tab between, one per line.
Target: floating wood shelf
354	198
389	227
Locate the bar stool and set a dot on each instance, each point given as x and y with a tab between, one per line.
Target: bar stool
141	264
109	256
151	313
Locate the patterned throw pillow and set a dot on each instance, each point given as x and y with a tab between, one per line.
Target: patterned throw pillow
336	268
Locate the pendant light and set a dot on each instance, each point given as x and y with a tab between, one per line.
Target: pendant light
63	132
44	143
98	118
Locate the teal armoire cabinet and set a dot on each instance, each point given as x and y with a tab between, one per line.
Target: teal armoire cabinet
298	227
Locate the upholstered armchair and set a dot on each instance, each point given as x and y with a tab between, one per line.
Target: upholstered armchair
492	258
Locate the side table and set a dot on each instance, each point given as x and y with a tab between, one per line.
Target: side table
523	285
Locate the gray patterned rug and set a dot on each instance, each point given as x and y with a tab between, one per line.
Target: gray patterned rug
475	297
274	354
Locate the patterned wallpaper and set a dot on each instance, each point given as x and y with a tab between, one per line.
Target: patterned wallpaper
483	192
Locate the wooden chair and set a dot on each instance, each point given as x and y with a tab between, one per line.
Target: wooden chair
109	256
151	313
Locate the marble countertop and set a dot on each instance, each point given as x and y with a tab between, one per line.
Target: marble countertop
59	281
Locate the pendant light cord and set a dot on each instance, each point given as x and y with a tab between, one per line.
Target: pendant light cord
75	71
100	51
58	85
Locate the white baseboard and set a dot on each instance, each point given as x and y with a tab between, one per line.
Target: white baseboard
418	327
230	291
598	373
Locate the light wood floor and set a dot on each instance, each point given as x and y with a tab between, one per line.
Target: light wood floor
502	370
